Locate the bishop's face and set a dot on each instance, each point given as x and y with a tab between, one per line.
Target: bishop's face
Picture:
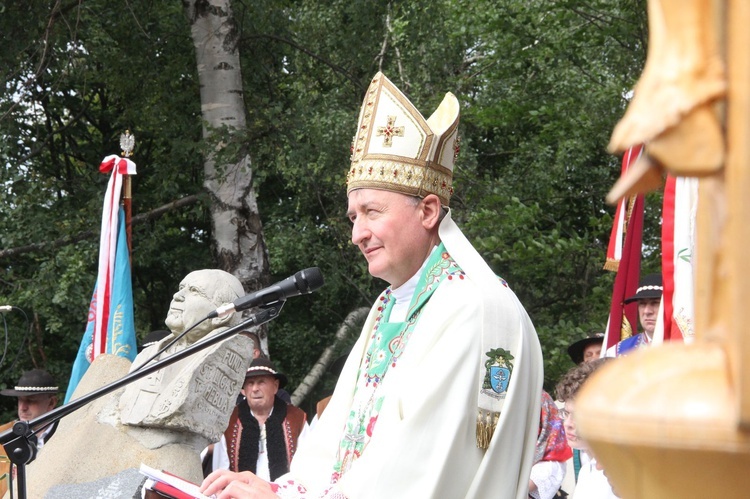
388	229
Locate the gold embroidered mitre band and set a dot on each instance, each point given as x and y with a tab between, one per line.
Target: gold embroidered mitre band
396	149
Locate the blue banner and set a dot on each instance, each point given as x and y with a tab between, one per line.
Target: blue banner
121	338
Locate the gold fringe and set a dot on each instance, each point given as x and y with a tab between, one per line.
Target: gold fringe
611	264
626	330
486	424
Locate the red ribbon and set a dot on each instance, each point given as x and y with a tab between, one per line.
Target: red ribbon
107	166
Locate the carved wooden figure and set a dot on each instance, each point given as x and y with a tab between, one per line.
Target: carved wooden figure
674	420
674	108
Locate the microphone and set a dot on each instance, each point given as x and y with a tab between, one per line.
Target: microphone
303	282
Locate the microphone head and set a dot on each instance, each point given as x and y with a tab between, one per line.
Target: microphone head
308	280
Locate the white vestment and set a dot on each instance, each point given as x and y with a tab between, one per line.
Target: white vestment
425	443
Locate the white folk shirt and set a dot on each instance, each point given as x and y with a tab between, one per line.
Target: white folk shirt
592	483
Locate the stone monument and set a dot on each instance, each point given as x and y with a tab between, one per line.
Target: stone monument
164	419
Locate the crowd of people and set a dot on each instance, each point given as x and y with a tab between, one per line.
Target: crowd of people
441	396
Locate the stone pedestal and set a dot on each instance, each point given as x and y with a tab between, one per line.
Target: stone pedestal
92	452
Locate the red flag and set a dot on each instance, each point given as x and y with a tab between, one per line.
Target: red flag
624	257
667	253
119	167
622	215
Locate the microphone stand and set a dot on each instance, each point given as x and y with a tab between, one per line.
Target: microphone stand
20	441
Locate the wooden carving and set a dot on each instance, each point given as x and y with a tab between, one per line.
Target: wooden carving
674	420
673	110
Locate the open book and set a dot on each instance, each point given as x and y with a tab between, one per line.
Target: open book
170	485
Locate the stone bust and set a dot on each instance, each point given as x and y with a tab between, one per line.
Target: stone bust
195	394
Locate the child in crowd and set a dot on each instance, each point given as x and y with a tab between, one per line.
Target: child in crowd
592	483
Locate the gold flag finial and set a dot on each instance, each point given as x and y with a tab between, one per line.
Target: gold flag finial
127	143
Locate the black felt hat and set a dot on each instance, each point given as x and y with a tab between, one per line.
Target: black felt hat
576	349
264	367
34	382
649	287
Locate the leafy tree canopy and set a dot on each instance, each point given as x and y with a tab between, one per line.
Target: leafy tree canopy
541	85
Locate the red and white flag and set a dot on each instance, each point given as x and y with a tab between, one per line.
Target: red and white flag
678	248
107	245
624	257
110	326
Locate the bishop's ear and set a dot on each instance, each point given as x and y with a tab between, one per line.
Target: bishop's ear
431	208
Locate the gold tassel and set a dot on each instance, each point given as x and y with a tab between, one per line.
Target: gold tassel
626	331
486	424
612	265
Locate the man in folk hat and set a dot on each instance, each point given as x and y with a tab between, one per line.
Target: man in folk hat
648	296
587	349
211	461
258	352
37	395
441	394
36	392
264	431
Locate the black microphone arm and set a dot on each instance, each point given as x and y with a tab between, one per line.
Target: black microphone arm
303	282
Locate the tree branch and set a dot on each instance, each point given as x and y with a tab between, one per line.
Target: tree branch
312	54
67	240
384	46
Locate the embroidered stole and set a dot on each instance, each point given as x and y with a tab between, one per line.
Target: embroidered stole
385	346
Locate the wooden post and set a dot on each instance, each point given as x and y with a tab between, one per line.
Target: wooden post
674	420
737	188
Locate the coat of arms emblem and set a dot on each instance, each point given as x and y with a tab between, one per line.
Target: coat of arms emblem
499	367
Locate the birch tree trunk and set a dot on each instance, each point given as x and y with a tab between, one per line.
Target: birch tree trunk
237	230
352	322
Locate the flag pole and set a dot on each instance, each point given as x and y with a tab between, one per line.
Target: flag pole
127	143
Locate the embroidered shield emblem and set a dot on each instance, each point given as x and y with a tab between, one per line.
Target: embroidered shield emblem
499	377
499	367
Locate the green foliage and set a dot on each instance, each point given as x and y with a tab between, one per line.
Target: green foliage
78	78
541	86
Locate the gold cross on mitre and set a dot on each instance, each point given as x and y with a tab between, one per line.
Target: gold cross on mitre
389	131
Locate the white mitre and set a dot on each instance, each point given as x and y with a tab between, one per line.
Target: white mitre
396	149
